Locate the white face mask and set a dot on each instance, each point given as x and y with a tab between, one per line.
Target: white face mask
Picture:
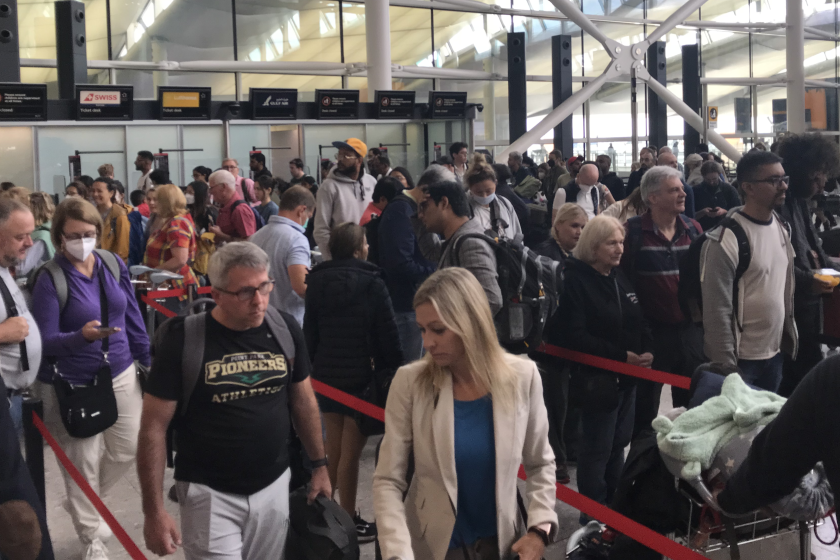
190	198
484	200
541	174
80	248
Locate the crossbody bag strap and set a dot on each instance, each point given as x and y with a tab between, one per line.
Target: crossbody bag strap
103	310
12	310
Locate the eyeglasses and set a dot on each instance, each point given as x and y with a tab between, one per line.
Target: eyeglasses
247	294
345	157
775	181
77	236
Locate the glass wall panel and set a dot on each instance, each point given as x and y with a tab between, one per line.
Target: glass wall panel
287	136
768	52
243	137
56	144
304	31
355	45
211	139
16	155
36	29
411	36
181	30
152	138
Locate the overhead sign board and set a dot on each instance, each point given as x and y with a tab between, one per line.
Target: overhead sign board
23	102
267	103
713	116
184	103
447	104
395	104
337	103
104	103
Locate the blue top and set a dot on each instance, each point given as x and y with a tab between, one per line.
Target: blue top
268	210
475	466
286	245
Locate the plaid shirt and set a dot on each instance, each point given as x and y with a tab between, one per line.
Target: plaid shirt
179	232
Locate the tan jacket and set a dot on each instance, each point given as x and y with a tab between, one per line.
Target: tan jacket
416	420
115	232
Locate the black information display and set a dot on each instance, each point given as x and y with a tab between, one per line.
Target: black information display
23	102
337	103
394	104
269	103
448	104
184	103
104	103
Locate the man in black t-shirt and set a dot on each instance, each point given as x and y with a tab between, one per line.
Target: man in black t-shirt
232	430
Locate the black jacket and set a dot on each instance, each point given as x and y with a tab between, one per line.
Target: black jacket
635	180
615	184
349	320
599	315
551	249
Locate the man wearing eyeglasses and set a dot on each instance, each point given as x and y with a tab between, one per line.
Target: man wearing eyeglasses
244	186
344	194
232	431
748	313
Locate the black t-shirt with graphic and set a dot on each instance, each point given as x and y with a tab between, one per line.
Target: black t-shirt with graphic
234	435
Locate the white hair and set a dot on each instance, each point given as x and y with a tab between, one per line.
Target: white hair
242	254
224	177
435	174
654	178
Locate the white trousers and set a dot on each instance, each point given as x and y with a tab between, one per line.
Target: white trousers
220	526
102	459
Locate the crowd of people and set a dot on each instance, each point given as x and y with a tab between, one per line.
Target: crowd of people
675	269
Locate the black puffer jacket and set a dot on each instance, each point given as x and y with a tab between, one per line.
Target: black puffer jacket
349	320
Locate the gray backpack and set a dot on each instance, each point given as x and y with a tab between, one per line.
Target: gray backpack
195	328
59	280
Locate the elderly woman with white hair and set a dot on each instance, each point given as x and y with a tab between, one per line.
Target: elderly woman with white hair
599	314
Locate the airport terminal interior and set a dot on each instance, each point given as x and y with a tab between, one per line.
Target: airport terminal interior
755	74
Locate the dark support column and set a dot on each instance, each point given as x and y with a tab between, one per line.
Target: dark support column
517	87
70	47
9	42
561	90
657	109
692	92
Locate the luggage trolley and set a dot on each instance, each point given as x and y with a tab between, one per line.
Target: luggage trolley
756	536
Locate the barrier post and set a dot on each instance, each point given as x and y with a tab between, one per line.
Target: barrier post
34	446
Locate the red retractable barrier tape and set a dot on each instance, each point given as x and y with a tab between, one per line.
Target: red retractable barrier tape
618	367
132	549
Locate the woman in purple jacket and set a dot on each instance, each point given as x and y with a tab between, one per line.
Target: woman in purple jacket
73	337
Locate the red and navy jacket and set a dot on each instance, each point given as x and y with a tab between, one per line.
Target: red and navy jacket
652	263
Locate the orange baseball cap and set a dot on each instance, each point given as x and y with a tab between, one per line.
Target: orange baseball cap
353	144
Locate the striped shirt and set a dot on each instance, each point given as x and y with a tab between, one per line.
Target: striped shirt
652	262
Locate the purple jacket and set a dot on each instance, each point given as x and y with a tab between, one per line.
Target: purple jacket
78	359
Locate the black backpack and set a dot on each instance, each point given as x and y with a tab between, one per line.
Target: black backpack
372	234
689	292
321	530
530	286
257	217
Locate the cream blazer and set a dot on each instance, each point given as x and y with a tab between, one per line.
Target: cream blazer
418	420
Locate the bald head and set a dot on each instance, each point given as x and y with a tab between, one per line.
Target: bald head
588	175
665	150
668	159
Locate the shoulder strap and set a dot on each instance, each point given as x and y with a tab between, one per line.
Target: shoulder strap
744	258
110	260
280	331
12	311
195	328
456	248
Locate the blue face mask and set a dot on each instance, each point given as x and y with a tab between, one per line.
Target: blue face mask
484	200
306	223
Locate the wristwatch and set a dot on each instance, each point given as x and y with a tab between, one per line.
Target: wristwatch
318	463
540	533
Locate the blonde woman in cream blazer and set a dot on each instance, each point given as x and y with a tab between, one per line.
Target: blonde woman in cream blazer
464	366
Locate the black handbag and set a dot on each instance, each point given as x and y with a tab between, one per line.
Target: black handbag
87	410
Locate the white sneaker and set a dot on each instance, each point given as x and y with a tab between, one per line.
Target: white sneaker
96	550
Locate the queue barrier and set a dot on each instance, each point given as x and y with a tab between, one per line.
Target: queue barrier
638	532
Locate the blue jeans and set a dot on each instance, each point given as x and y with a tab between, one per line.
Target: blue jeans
763	374
601	448
410	338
